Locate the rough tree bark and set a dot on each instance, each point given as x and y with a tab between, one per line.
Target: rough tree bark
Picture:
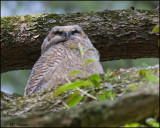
121	34
44	109
125	109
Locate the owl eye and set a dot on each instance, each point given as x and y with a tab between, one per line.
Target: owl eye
75	32
58	33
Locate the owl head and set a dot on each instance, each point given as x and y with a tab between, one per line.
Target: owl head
61	34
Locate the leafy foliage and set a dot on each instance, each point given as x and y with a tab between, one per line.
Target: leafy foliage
156	30
146	75
106	95
80	89
70	86
150	122
74	99
92	82
74	72
134	125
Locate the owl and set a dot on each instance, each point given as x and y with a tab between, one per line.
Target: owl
60	55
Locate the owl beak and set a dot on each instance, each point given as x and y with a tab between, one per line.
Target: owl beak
67	35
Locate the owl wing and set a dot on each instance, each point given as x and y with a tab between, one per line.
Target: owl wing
45	64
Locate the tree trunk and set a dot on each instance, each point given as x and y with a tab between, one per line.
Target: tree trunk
120	34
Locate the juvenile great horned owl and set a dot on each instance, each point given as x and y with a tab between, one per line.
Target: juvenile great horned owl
59	56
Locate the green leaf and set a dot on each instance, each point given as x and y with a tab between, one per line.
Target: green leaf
74	99
74	72
70	86
152	122
109	95
81	49
74	95
152	79
132	125
108	74
106	95
142	73
146	75
156	29
95	79
91	60
101	97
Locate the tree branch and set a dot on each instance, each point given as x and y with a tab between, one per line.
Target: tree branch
121	34
131	107
46	109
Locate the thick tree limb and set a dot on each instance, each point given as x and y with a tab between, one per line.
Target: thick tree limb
131	107
121	34
126	108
